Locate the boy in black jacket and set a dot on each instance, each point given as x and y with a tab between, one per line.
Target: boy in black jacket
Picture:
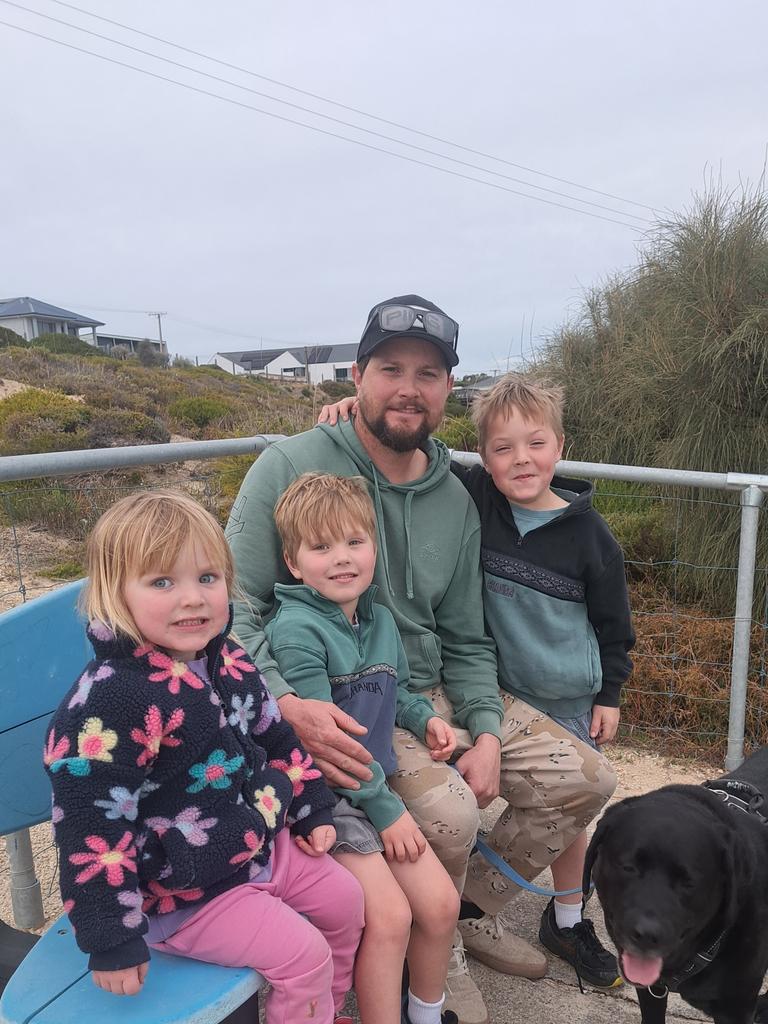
556	603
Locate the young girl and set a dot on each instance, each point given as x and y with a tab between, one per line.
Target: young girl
177	785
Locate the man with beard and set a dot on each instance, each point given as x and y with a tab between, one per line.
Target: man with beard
429	576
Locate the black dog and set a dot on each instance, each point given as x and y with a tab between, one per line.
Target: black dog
682	876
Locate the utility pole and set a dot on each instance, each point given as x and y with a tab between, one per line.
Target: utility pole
160	330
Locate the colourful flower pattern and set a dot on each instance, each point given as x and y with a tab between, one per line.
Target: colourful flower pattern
299	770
233	663
156	733
267	804
113	861
163	901
173	672
86	681
215	771
253	845
189	823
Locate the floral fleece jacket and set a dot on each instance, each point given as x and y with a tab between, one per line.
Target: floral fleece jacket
168	790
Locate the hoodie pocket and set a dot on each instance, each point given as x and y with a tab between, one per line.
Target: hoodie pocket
424	655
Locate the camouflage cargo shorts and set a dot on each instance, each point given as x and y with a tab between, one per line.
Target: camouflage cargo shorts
552	782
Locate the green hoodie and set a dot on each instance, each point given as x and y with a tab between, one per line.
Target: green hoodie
427	569
361	669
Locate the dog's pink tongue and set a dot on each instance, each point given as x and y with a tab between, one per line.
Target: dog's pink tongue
641	970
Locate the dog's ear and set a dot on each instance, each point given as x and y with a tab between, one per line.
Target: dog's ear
604	826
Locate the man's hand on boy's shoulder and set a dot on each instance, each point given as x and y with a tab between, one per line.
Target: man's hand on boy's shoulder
324	731
481	767
440	738
605	723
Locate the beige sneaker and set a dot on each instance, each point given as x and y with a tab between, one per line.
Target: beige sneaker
461	993
490	941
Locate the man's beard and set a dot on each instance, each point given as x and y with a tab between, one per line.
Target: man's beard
402	440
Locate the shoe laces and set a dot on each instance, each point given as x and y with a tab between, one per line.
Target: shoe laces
585	934
458	962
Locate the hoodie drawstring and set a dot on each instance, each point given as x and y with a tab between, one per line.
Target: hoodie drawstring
408	559
379	507
382	532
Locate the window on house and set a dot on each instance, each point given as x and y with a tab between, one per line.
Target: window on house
341	373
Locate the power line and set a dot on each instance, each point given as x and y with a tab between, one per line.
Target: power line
353	110
314	128
326	117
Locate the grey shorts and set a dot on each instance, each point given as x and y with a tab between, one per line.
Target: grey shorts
354	832
579	727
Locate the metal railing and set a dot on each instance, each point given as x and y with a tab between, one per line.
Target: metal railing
751	489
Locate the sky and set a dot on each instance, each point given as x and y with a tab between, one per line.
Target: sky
124	194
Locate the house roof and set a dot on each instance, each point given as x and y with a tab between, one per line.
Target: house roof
259	358
34	307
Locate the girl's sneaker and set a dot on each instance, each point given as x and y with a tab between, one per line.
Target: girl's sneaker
342	1018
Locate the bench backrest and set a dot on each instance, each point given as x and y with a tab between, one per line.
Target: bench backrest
43	649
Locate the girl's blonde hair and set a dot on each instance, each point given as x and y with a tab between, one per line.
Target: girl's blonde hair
532	399
143	533
317	506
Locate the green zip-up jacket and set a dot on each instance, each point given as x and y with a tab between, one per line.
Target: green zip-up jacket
427	567
363	670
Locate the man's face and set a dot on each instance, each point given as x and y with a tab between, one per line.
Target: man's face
402	392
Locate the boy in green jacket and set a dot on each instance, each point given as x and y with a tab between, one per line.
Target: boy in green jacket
333	643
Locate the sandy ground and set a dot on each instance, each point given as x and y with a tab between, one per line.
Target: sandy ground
10	387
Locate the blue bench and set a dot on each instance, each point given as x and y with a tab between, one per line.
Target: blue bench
42	651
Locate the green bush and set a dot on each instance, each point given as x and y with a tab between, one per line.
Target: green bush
41	421
199	411
10	338
65	343
337	389
459	433
114	427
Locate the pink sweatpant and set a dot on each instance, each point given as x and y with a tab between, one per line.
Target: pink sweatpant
308	962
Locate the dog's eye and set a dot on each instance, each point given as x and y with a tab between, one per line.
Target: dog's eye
628	868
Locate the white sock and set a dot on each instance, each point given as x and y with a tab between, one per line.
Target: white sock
420	1012
567	914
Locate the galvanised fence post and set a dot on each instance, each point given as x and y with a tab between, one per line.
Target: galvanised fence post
751	500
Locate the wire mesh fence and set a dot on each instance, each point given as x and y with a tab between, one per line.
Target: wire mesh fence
683	601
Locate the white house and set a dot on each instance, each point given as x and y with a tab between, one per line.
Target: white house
30	318
313	362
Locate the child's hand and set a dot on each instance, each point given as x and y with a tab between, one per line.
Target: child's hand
403	839
321	839
339	410
605	722
440	738
127	982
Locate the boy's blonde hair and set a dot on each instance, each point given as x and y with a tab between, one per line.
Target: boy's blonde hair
143	533
317	506
533	399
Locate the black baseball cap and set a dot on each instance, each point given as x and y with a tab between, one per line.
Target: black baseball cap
410	316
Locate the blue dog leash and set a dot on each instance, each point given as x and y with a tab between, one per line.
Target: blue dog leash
510	873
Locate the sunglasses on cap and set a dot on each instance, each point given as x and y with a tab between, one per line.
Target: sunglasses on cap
398	319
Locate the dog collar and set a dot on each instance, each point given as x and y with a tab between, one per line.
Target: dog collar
740	796
672	982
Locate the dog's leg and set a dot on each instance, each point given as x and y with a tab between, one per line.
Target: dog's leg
761	1015
653	1009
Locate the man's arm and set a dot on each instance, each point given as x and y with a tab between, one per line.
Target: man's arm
257	551
469	656
323	728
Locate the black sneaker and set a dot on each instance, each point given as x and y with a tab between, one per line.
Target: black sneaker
582	949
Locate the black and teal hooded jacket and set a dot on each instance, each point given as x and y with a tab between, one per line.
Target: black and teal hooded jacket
364	671
555	601
427	567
